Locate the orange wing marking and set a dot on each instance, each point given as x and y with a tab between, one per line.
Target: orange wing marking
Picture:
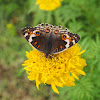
38	46
57	49
30	33
61	47
35	43
70	39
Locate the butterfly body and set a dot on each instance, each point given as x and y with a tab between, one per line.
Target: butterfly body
49	39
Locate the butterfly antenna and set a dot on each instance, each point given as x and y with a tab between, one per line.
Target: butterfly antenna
41	56
52	57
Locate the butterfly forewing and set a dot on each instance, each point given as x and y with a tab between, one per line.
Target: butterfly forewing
61	44
36	41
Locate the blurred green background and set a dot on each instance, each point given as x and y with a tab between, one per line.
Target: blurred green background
79	16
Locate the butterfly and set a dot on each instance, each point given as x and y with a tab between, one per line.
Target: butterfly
50	39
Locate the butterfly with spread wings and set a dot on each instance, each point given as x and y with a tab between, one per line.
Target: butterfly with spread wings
50	39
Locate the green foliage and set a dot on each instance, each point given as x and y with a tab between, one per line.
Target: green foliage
79	16
82	91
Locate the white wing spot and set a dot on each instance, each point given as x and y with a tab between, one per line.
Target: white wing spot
25	34
30	39
68	36
34	31
67	45
73	41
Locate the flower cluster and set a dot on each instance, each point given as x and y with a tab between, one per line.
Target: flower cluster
48	5
60	70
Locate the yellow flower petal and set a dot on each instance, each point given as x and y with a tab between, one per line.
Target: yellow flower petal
81	72
81	52
37	82
75	76
54	88
62	70
48	5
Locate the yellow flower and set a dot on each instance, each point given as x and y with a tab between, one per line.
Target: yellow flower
48	5
9	26
59	71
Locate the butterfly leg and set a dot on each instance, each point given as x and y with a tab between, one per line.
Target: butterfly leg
46	55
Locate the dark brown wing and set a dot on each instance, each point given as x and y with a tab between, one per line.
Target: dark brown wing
50	43
59	44
38	42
